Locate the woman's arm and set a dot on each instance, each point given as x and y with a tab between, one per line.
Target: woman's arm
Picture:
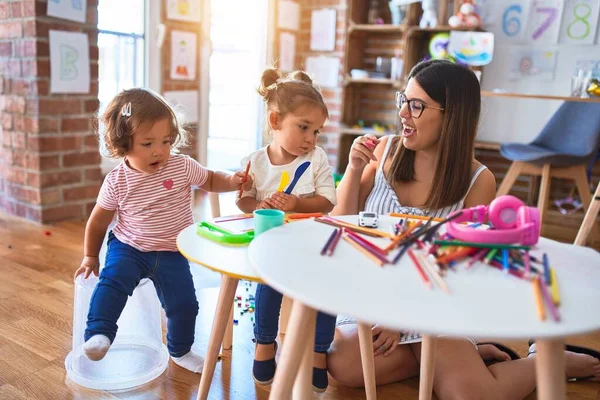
359	178
483	190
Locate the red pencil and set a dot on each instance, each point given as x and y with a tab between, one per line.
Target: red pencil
244	180
419	268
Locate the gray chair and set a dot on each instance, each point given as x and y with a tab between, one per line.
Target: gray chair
564	147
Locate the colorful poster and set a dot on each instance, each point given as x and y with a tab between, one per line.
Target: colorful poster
528	63
580	22
184	10
510	20
73	10
69	62
472	48
543	26
183	55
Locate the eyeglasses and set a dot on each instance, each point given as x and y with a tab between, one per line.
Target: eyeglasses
415	106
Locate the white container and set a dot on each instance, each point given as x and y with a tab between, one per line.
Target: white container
137	355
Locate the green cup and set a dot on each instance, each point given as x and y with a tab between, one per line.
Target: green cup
267	219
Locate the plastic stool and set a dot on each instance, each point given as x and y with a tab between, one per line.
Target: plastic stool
137	356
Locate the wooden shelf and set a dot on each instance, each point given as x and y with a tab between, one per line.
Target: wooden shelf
375	81
483	145
383	28
488	93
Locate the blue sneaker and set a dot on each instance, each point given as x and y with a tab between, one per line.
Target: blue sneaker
320	380
263	372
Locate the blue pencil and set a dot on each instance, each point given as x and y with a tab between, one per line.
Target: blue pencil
328	242
401	252
505	263
546	270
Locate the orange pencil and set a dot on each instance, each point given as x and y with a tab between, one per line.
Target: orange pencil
304	215
538	299
364	251
244	180
404	234
414	216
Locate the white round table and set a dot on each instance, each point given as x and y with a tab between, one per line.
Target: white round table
484	302
233	263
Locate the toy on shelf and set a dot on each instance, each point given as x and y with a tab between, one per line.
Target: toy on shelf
438	46
466	17
429	18
374	16
594	87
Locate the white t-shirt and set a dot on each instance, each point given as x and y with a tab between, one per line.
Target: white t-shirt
316	180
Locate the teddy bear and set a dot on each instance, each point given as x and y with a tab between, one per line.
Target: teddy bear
466	16
429	18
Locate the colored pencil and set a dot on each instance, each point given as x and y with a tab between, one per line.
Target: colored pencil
328	243
303	215
480	245
505	262
527	263
363	251
244	180
538	299
371	246
398	239
554	287
498	265
414	217
401	253
434	274
456	255
419	268
546	270
546	295
477	257
335	242
232	218
490	255
355	228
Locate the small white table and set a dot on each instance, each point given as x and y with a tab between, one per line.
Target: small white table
484	302
233	264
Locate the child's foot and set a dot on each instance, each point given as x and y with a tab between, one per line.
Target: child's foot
491	352
578	365
264	366
96	347
190	361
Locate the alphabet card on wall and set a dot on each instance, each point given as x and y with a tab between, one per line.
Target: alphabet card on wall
183	55
69	62
580	22
73	10
510	20
544	22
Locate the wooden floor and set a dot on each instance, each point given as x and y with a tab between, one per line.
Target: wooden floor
36	307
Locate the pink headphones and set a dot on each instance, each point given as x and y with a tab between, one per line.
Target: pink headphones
512	222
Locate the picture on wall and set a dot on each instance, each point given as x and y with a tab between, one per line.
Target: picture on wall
472	48
184	10
580	22
183	55
69	62
73	10
529	63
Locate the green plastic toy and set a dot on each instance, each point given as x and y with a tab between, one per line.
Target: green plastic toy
220	235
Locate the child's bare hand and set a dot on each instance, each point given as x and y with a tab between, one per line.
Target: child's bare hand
239	179
283	201
88	265
265	204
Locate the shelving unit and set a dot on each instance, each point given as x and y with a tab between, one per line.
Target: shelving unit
372	99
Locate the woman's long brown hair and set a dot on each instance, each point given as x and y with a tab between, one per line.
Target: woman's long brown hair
457	90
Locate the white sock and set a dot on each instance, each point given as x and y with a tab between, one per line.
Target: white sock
190	361
96	347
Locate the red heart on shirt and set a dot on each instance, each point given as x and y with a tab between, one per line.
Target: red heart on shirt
168	183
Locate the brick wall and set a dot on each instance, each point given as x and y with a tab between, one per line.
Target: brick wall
49	156
333	96
169	84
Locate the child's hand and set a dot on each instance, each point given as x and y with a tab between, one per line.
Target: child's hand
284	202
265	204
239	179
88	265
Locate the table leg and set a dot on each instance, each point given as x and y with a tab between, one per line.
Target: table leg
550	369
228	338
303	384
428	352
292	352
226	293
365	340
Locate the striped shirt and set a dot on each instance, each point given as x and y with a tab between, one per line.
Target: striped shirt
152	208
383	199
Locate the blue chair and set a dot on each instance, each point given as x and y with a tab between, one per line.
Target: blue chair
563	149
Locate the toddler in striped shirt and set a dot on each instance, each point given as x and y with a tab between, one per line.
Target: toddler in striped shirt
150	191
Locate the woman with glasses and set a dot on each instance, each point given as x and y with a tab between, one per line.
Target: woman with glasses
430	169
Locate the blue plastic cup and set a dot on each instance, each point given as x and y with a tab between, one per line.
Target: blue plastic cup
267	219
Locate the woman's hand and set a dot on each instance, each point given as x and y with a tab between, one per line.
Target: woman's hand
284	202
384	341
239	179
361	152
88	265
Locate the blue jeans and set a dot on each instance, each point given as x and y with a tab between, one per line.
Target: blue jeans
170	272
268	304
